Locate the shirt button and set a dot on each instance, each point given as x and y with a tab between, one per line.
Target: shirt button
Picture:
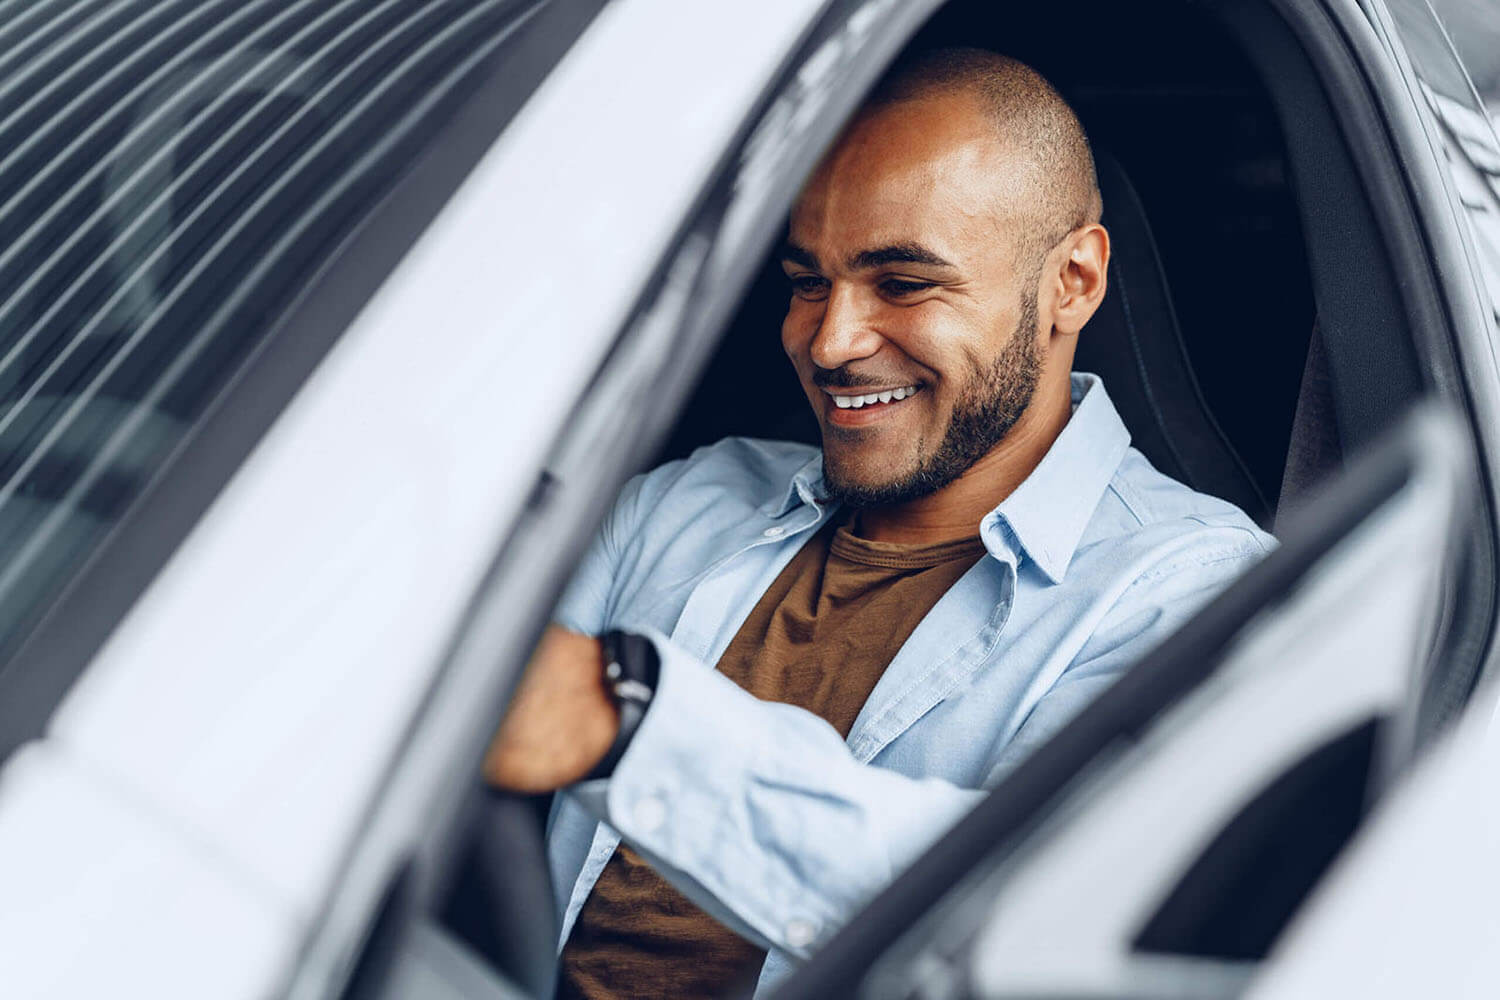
800	933
774	532
649	814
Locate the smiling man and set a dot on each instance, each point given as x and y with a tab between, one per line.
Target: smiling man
780	673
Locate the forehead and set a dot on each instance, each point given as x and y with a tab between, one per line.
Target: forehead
931	171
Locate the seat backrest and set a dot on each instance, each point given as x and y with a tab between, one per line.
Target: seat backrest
1134	343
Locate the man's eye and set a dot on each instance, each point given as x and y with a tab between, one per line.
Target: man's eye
897	287
809	286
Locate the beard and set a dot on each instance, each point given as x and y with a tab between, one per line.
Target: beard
990	403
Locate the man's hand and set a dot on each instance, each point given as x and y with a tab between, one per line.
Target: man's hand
561	722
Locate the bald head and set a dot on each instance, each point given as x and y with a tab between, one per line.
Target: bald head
1030	118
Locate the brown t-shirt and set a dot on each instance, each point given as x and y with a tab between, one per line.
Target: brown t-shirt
819	638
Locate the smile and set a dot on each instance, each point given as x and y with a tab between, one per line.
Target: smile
870	398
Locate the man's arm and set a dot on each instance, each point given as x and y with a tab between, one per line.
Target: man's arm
757	810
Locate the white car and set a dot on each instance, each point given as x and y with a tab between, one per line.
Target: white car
329	329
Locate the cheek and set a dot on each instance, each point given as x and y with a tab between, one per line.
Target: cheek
925	336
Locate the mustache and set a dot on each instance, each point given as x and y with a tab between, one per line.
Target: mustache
842	378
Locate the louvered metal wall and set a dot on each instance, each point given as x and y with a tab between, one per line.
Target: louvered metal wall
173	174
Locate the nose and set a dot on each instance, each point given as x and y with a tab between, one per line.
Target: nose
845	332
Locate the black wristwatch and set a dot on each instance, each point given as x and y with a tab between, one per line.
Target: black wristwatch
631	667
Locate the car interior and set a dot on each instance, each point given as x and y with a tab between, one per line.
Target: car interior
1211	295
1269	308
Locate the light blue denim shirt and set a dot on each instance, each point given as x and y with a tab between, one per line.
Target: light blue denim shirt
759	811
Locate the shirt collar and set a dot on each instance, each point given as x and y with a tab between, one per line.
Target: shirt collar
806	486
1048	513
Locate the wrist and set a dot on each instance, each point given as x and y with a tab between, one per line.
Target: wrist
598	724
630	673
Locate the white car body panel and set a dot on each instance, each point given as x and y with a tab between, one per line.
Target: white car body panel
94	878
253	698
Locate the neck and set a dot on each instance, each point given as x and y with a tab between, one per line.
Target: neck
955	510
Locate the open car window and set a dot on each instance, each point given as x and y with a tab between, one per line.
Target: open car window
1146	845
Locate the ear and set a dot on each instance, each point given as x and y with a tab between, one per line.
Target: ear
1081	276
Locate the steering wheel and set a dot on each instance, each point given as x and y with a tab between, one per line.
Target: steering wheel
501	902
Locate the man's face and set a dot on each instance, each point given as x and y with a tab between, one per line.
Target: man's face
908	259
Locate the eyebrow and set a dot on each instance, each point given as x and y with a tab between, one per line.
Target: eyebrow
866	260
800	256
896	253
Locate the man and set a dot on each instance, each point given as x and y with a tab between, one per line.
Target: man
895	621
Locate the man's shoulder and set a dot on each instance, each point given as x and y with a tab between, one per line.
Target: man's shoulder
1144	507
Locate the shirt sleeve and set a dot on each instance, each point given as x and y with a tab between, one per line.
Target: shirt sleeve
587	604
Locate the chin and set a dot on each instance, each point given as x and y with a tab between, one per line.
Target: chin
858	486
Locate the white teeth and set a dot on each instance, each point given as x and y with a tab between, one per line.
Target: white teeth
857	402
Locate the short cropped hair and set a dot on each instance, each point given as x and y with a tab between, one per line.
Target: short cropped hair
1030	115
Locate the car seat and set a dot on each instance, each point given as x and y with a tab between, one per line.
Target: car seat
1135	345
